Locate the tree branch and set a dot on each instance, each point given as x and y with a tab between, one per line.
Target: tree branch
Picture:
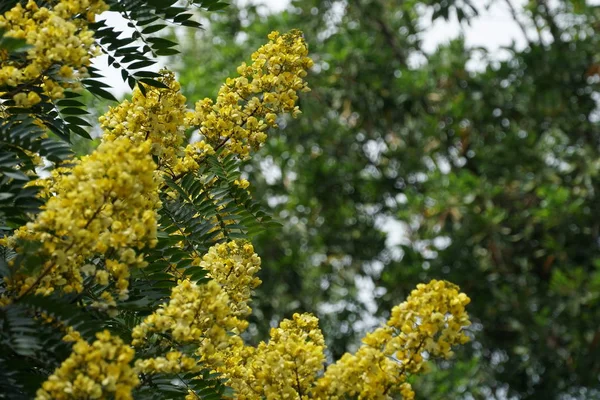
515	16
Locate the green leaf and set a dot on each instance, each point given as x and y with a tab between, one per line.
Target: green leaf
78	130
167	52
16	174
77	121
160	43
101	93
73	111
153	28
13	45
147	74
141	64
70	103
93	83
154	83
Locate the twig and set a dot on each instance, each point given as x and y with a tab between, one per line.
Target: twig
515	16
52	265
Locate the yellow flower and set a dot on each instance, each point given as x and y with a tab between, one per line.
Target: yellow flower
241	183
108	200
174	362
195	314
55	38
157	116
194	153
431	319
234	266
26	100
101	370
248	105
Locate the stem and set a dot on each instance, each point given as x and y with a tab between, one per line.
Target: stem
19	88
514	14
180	229
187	386
297	380
417	351
546	14
52	265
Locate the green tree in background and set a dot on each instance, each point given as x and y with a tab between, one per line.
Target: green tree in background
493	176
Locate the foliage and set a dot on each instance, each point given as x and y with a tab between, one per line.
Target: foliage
127	272
491	176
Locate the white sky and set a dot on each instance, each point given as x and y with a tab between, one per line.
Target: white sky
492	29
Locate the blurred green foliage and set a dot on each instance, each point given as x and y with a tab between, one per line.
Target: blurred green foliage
490	176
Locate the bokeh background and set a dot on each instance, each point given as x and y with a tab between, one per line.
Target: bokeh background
450	139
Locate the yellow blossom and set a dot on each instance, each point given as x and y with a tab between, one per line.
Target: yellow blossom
241	183
55	39
174	362
431	319
234	266
193	155
98	371
157	116
107	201
195	314
247	105
26	100
72	335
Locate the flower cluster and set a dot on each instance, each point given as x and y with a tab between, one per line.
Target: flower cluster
234	265
158	116
286	367
245	108
431	320
174	362
98	371
193	154
61	47
106	205
248	105
195	314
289	366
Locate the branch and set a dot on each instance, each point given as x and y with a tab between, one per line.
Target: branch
544	12
297	380
515	16
390	38
53	264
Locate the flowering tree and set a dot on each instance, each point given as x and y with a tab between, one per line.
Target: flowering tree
128	273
